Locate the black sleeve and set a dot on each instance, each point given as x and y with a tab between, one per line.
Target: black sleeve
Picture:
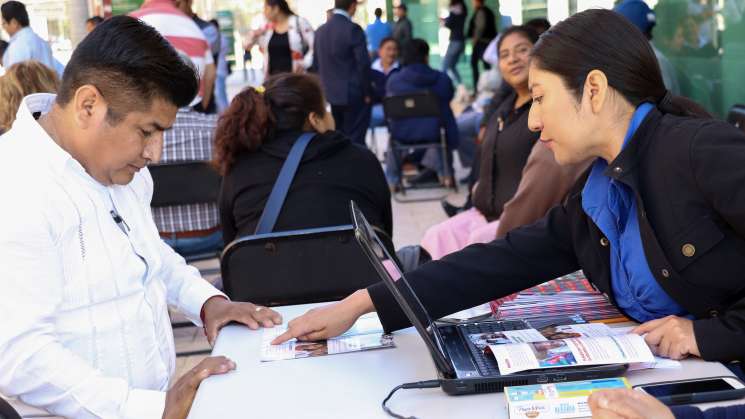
717	154
226	212
482	272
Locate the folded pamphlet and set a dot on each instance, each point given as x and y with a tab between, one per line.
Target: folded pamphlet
366	334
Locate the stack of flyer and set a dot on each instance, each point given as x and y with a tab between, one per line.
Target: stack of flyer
563	346
366	334
558	400
568	294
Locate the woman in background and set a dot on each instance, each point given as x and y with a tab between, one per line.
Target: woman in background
286	40
252	141
21	80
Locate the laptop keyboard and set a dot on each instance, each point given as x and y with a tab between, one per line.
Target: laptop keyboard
485	362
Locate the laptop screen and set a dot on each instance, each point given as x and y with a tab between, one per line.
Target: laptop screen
396	282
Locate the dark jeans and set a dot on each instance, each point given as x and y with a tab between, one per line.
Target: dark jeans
352	120
450	62
196	245
478	52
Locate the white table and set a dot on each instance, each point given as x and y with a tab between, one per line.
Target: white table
354	384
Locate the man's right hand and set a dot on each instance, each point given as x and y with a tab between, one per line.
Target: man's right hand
180	397
328	321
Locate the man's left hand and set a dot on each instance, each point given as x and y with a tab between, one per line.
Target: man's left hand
218	312
671	337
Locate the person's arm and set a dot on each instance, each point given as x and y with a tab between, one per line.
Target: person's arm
544	184
34	364
362	60
210	74
716	155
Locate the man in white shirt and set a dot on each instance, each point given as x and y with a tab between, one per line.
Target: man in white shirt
25	44
86	280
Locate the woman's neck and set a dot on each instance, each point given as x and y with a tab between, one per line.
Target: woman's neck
386	65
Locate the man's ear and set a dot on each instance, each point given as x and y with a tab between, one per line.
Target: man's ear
596	87
88	106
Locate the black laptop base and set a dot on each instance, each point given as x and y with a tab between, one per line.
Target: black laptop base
471	380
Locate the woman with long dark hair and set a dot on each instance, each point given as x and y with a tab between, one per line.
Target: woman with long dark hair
286	40
657	223
252	141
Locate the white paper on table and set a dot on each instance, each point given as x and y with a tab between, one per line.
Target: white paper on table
658	363
624	349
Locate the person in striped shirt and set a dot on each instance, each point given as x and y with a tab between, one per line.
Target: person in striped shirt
185	36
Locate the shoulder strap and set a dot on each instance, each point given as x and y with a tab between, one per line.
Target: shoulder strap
282	185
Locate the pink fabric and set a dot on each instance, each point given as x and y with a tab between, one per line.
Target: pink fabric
467	228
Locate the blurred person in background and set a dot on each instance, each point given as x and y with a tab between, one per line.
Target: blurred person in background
343	64
286	40
223	70
24	43
402	29
376	32
381	69
456	22
21	80
482	28
186	36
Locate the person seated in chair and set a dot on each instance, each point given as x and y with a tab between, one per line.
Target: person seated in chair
194	228
380	71
252	142
416	76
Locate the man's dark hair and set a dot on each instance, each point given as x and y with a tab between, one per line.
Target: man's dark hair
344	4
378	12
539	24
402	7
95	20
14	10
131	64
416	51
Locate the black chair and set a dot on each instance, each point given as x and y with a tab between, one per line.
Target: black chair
184	184
7	411
416	105
296	267
736	116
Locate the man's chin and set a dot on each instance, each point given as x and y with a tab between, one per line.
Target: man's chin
122	178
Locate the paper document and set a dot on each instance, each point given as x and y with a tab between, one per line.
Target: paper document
625	349
365	334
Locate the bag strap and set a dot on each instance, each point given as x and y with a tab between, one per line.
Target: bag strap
282	185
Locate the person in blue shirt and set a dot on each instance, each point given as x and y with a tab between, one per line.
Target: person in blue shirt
415	76
24	43
376	32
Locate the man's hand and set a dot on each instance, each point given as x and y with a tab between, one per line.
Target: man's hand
218	312
627	404
180	397
328	321
671	337
481	135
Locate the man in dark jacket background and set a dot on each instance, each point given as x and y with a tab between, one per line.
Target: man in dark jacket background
402	29
343	64
416	76
482	28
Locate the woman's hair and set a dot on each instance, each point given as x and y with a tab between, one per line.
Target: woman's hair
253	118
526	31
283	6
604	40
23	79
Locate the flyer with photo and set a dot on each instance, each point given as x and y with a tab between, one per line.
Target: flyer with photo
557	400
552	332
624	349
366	334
